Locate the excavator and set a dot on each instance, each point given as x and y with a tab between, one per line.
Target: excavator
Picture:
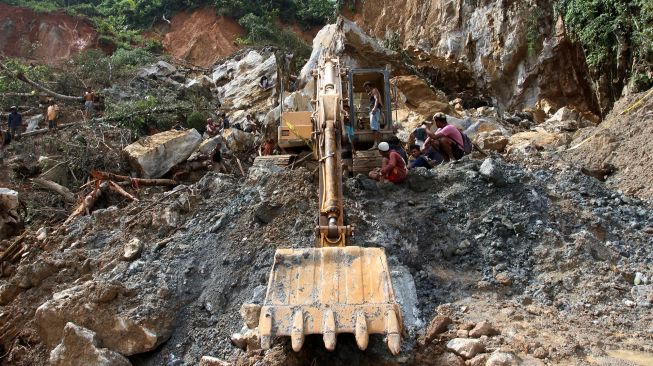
332	288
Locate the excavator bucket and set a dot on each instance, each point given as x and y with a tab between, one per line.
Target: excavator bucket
329	291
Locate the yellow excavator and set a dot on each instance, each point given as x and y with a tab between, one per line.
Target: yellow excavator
333	288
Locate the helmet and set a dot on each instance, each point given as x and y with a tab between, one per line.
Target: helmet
384	146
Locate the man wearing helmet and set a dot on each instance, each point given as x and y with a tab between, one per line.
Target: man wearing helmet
393	167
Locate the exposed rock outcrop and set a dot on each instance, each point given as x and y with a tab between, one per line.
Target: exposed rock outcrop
43	37
515	49
79	346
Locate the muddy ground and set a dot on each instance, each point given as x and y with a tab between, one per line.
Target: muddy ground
545	253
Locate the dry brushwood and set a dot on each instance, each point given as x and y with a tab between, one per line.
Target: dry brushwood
88	202
118	189
55	187
136	182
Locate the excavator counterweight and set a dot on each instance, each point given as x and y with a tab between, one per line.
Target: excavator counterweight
332	288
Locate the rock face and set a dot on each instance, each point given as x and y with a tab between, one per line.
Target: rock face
45	37
154	155
201	37
10	221
79	346
238	80
93	305
492	39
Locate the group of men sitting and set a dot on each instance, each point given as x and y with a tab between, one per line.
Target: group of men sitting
213	128
430	148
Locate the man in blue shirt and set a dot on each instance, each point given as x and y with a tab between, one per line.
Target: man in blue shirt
15	123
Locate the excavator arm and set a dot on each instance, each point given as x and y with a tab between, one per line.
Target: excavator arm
332	288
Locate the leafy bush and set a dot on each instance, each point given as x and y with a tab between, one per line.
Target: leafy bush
197	121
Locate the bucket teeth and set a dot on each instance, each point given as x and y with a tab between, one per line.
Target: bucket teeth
297	333
329	332
265	329
392	329
362	336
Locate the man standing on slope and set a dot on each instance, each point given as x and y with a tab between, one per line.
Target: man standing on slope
375	112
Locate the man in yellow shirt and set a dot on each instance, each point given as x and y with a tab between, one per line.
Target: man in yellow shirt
53	114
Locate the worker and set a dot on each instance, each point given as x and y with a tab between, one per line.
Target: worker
177	126
216	156
267	148
250	124
421	133
52	114
224	121
212	128
375	112
15	121
395	145
264	83
418	159
448	140
89	100
392	168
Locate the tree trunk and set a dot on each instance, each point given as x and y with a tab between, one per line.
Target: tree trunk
23	78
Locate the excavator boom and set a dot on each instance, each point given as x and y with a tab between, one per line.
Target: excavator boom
333	288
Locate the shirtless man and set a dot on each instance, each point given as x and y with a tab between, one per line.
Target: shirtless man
375	112
89	108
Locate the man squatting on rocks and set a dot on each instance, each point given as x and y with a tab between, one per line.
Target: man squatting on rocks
393	167
375	112
447	140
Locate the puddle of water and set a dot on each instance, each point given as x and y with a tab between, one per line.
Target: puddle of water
639	358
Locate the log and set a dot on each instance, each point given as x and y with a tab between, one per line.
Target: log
136	182
55	187
118	189
46	130
12	248
87	203
20	76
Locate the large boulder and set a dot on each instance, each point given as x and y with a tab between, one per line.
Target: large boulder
238	140
538	138
10	221
105	308
420	97
79	346
155	155
159	70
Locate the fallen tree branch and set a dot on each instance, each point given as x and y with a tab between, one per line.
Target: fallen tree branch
11	250
87	203
55	187
20	76
136	182
46	130
118	189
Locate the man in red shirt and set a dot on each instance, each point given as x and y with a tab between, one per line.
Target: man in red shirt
447	139
393	167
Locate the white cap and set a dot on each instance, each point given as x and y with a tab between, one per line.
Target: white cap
384	146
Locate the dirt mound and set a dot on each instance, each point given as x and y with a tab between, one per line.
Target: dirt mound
201	37
625	141
43	37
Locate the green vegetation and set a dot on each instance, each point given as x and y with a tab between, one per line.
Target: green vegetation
119	22
617	36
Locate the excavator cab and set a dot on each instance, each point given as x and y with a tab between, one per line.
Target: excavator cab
333	288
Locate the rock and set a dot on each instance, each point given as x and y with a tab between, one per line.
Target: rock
447	359
155	155
438	325
237	140
465	347
563	114
113	321
493	172
53	170
483	329
540	352
79	346
540	138
33	122
642	294
238	80
199	87
504	278
493	143
209	145
8	292
266	212
503	359
212	361
539	116
42	234
461	333
247	341
159	70
132	250
419	96
250	314
640	279
10	220
478	360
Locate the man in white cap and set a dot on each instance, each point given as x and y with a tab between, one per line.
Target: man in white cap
393	167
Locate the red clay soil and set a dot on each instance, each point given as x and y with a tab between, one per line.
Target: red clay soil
201	37
43	37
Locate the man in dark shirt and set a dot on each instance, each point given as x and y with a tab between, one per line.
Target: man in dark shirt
418	159
15	123
216	156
